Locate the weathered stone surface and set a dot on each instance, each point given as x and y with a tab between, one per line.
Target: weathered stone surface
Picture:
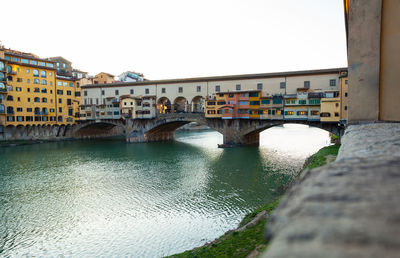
349	208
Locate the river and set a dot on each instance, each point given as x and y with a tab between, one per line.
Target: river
110	198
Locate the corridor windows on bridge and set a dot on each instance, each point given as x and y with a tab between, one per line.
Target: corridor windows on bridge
217	88
198	88
102	93
238	86
163	90
131	91
332	82
180	89
116	92
147	91
306	84
282	85
259	86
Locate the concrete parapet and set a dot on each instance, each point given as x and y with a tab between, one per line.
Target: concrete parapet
349	208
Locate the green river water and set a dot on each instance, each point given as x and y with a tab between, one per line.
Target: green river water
109	198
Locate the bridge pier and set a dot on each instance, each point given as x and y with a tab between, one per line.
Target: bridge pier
234	132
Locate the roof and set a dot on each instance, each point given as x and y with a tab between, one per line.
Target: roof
220	78
238	91
109	74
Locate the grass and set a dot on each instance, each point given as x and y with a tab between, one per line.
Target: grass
319	159
241	244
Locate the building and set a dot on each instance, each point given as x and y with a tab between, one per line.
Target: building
77	74
146	107
130	76
103	78
68	97
128	106
28	97
63	66
198	94
330	107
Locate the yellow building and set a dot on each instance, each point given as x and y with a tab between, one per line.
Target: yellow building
214	105
30	83
30	93
344	89
254	104
103	78
330	107
128	106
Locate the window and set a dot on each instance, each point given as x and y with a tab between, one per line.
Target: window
253	94
43	74
211	103
243	103
301	113
20	118
44	82
277	101
60	100
29	99
102	93
131	91
42	63
336	114
18	89
85	93
230	95
19	109
217	88
259	86
147	91
198	88
51	110
65	84
68	92
36	99
302	101
254	103
345	94
306	84
24	61
27	71
289	113
19	79
337	104
71	84
346	82
69	101
265	101
44	100
180	89
36	81
19	99
238	87
70	111
28	81
116	92
162	90
10	98
35	73
7	58
282	85
332	82
345	107
60	109
49	65
77	94
59	83
15	59
60	92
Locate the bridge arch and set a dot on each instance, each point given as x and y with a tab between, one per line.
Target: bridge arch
181	105
96	129
163	105
197	104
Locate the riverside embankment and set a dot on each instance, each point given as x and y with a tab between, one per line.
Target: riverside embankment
248	239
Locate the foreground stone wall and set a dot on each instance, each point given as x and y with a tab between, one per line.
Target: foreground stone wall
349	208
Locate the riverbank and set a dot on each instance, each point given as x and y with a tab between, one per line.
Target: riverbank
248	239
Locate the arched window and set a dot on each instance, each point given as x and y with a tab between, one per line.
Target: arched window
37	111
35	73
36	90
44	100
9	69
43	74
10	98
10	110
2	76
44	90
9	78
1	66
2	109
44	82
36	81
37	99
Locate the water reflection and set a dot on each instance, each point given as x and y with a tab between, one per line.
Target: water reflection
110	198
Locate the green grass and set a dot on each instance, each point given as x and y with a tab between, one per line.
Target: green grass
319	158
236	244
240	244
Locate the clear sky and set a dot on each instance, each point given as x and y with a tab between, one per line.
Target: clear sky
180	38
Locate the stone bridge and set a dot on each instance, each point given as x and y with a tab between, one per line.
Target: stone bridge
236	132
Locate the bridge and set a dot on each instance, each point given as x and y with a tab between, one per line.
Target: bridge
236	132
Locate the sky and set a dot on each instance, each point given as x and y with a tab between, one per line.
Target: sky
180	38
